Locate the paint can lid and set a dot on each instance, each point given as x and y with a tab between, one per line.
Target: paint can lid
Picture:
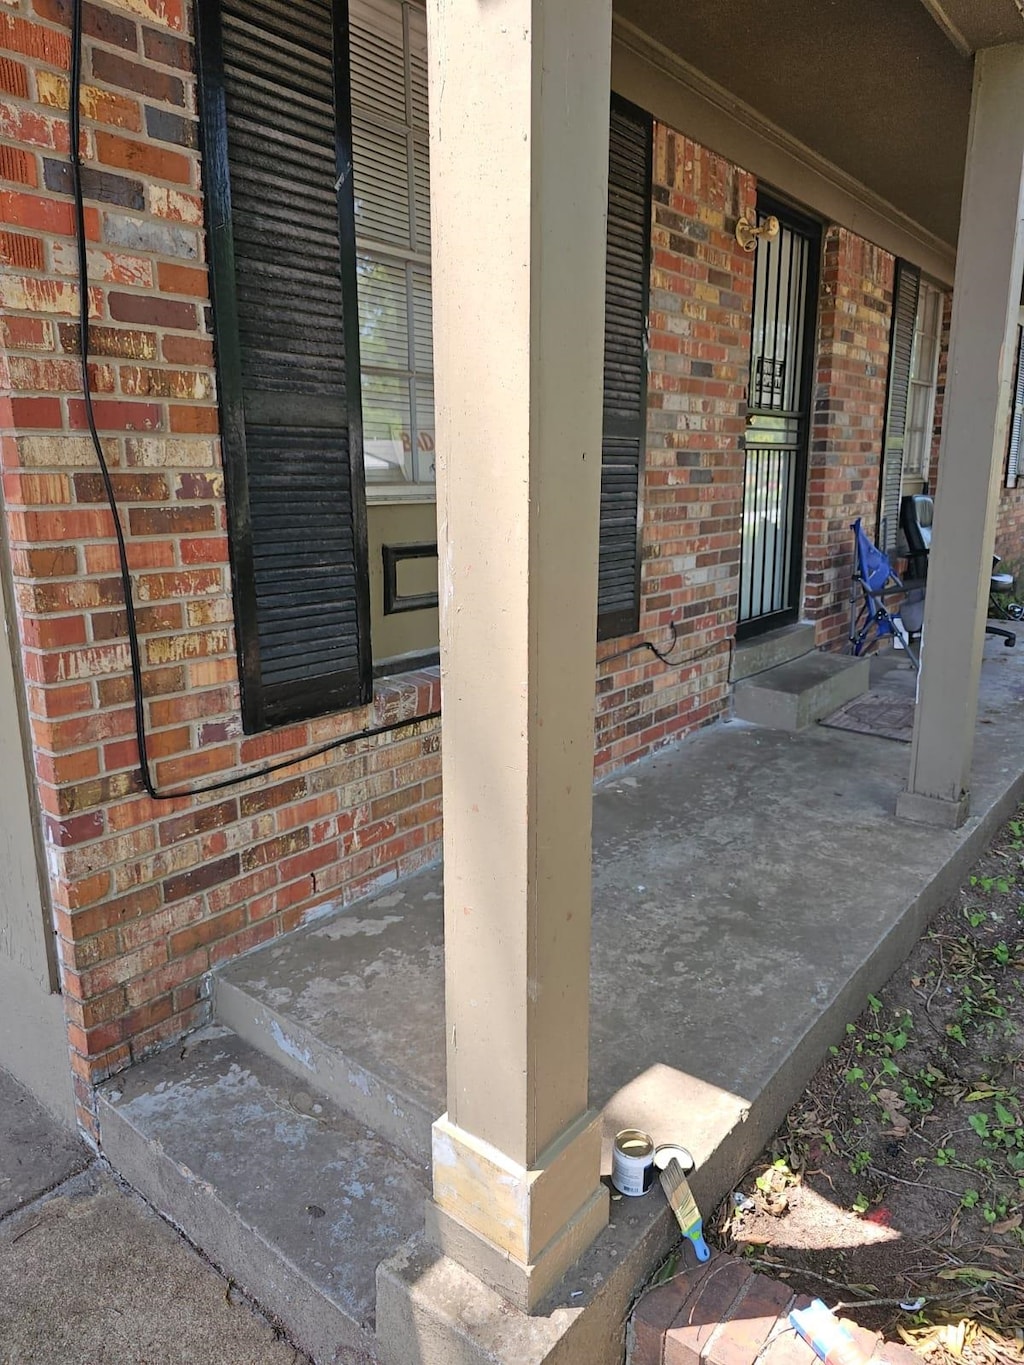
664	1154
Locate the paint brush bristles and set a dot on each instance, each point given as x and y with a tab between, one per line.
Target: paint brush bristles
684	1206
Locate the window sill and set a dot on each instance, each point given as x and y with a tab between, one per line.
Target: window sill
381	495
403	696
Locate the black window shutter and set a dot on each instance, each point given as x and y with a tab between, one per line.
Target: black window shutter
906	288
280	217
625	368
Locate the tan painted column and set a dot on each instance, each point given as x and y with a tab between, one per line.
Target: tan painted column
519	103
986	297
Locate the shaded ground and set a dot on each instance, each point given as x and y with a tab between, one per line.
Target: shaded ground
899	1177
90	1275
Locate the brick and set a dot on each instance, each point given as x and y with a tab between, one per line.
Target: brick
13	77
741	1338
144	79
33	40
104	24
19	250
18	166
174	204
712	1302
167	50
26	334
167	127
194	420
102	185
142	158
200	878
199	821
183	279
147	234
114	416
151	311
174	521
125	343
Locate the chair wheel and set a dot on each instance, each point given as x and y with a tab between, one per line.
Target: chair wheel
1015	611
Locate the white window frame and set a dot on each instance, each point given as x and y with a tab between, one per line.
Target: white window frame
917	447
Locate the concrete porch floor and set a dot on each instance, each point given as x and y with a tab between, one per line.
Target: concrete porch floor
750	888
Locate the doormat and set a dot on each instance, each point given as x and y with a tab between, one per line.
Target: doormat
876	714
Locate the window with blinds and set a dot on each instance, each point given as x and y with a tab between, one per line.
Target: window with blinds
924	370
1017	417
392	207
901	350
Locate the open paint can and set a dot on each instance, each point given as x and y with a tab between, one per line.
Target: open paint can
633	1161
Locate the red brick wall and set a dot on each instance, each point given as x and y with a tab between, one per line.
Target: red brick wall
701	290
148	896
849	415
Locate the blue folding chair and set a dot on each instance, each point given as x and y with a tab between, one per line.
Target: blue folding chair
874	579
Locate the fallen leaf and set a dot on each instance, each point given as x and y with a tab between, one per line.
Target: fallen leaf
1008	1224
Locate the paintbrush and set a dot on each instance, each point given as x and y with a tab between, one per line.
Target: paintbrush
684	1206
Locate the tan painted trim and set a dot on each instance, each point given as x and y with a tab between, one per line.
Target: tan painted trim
33	1040
678	94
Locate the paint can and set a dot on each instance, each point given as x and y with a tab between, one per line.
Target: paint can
633	1161
665	1153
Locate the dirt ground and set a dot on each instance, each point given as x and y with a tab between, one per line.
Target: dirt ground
898	1179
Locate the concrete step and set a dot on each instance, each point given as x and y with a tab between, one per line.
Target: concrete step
776	647
293	1199
794	695
353	1005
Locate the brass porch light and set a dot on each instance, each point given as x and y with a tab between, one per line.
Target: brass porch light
747	232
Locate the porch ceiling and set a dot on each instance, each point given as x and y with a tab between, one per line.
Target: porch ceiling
879	88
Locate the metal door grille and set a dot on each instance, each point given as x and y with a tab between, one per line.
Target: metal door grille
781	351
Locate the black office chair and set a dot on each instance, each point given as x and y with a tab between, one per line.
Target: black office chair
916	511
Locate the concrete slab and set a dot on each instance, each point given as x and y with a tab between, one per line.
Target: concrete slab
296	1201
36	1152
750	888
92	1276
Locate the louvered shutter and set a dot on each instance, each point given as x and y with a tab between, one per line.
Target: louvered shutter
901	349
1017	420
625	368
274	77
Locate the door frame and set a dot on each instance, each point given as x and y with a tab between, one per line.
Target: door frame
813	229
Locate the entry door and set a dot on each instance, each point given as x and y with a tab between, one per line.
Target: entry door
778	421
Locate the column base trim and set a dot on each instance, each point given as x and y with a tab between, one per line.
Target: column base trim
933	810
523	1285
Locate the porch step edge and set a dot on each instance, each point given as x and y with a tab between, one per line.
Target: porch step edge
298	1207
762	652
399	1117
794	695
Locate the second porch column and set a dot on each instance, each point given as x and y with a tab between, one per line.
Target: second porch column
986	296
519	105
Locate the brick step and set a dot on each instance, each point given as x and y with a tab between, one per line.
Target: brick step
293	1199
723	1313
794	695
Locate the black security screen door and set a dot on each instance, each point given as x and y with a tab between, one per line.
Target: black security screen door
778	420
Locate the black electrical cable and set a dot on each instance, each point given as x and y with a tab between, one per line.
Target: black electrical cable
664	654
74	118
